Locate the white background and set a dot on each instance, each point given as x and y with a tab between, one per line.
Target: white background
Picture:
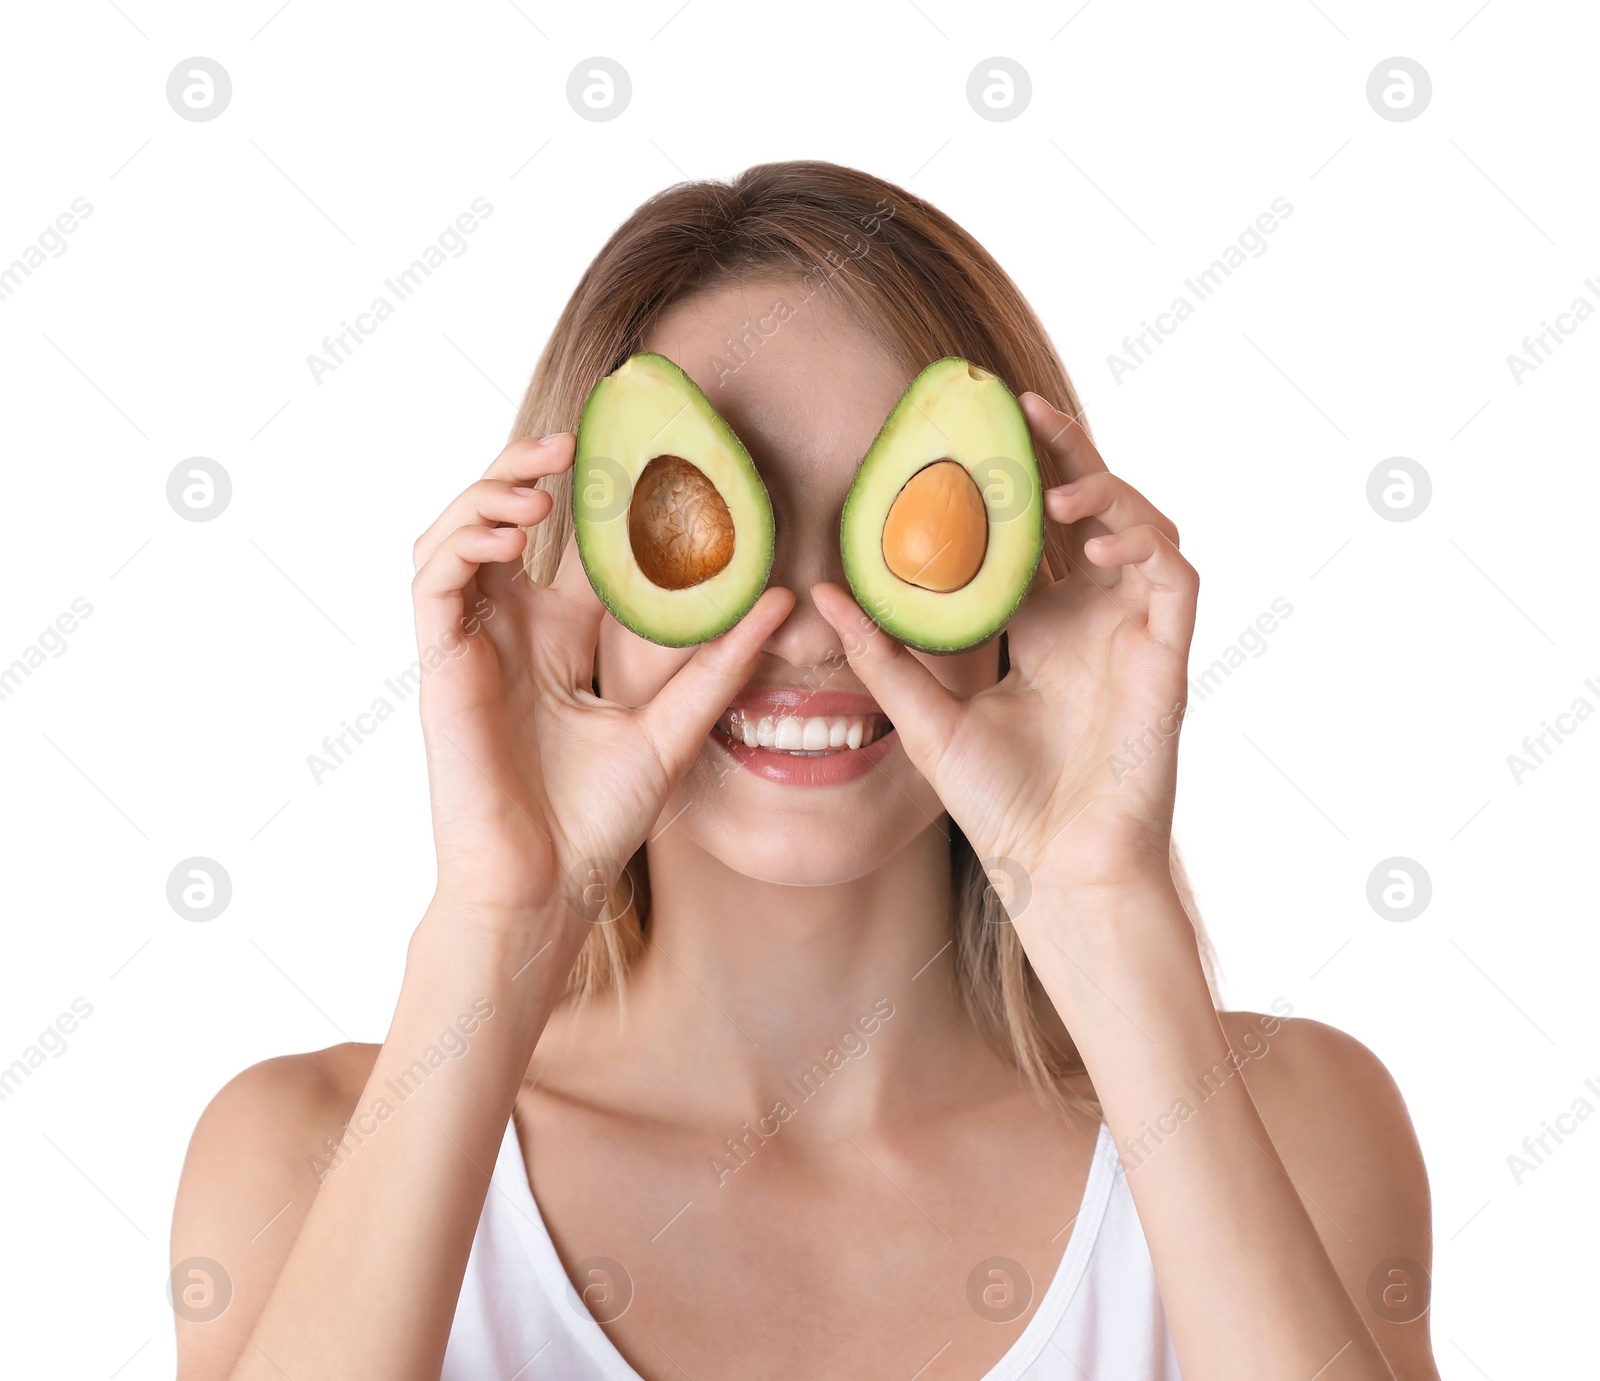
218	655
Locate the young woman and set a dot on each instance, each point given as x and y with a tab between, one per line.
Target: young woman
712	1065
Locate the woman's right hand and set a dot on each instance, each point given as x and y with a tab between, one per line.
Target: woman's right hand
533	778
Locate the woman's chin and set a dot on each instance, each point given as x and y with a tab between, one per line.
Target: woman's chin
816	852
791	835
792	858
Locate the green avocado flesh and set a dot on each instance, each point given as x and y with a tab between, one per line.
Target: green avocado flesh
673	523
977	538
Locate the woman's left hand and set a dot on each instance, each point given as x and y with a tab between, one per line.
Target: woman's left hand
1067	767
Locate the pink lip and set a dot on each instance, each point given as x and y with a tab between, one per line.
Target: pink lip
802	703
833	769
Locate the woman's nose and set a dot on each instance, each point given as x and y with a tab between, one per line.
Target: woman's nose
805	551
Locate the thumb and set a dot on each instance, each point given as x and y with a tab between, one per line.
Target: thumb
678	718
917	704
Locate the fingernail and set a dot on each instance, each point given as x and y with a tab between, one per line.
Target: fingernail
553	437
1067	488
522	489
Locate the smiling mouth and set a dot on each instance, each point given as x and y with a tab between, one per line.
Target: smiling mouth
812	736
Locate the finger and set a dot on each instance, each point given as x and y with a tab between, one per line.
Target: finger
1062	440
517	467
1063	437
527	458
483	504
678	718
917	704
438	588
1174	583
1111	499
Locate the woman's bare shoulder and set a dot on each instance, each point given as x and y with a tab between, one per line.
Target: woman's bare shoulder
286	1097
1316	1085
264	1132
1344	1138
255	1161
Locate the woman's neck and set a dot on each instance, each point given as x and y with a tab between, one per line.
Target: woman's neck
749	993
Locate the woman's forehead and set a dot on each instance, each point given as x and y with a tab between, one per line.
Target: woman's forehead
800	380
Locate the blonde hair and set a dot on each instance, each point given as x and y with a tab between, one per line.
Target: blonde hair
926	289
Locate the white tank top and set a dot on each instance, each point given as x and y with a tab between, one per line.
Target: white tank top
519	1319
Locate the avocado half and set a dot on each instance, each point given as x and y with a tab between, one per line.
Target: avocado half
943	527
673	523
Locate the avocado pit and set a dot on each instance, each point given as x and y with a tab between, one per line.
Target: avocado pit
937	529
679	525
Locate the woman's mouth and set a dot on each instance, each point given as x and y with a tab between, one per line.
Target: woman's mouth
810	736
777	733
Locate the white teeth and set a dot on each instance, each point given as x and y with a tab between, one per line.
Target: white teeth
811	734
790	733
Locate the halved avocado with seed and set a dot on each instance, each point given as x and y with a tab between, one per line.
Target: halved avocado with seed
943	527
673	523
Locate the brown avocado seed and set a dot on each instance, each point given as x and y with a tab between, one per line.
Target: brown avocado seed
680	528
938	528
